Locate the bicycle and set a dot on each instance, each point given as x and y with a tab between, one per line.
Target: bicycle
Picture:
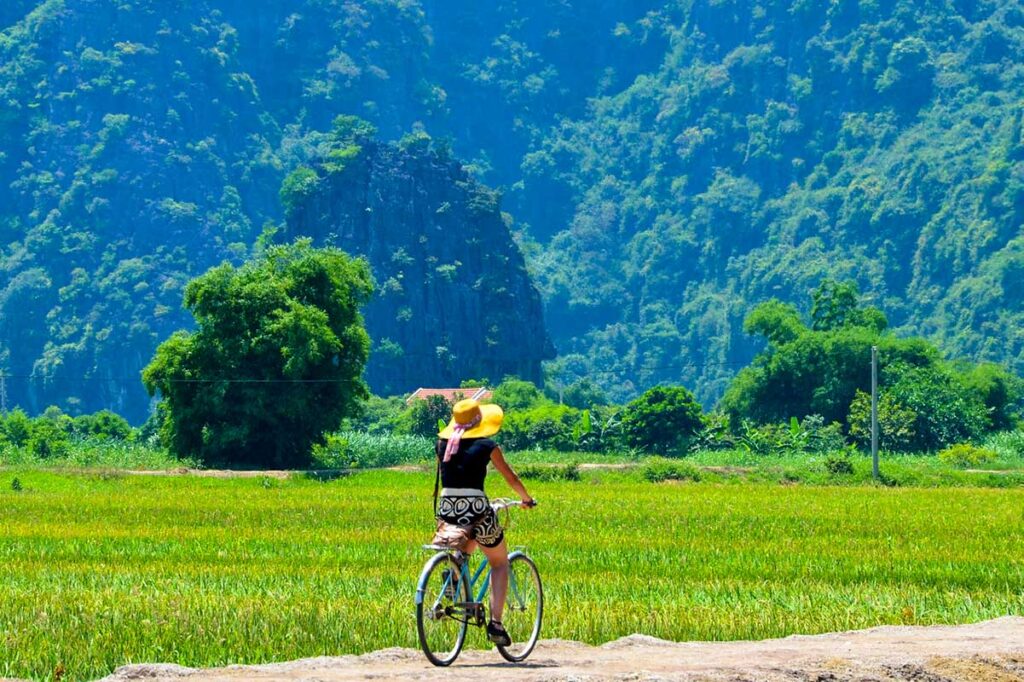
444	610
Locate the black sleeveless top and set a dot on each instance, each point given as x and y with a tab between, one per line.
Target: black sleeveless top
468	467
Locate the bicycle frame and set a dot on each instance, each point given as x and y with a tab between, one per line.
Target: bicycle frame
472	581
473	608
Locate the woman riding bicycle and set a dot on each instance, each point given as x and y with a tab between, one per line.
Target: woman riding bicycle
463	452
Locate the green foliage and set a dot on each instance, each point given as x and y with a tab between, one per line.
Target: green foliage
835	305
776	321
966	456
663	420
896	423
297	188
358	450
557	472
947	410
659	470
103	424
379	416
16	428
1008	444
1000	391
275	362
547	426
809	435
839	464
925	403
583	394
669	165
423	417
779	148
514	395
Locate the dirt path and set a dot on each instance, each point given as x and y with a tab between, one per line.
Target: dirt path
991	651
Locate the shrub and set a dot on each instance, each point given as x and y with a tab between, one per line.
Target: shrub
947	411
809	435
379	416
664	419
896	423
966	456
515	395
104	425
565	472
48	439
356	450
838	464
1009	444
659	469
549	427
423	416
715	434
17	427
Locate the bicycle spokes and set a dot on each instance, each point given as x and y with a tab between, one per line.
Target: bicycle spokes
524	607
440	612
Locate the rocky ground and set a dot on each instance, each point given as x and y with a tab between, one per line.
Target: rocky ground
989	651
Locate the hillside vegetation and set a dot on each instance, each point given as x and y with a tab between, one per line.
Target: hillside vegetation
666	166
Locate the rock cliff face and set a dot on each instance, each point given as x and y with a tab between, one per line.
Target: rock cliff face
453	300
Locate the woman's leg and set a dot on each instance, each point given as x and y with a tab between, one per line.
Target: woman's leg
497	557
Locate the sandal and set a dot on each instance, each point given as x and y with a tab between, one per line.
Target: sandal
496	633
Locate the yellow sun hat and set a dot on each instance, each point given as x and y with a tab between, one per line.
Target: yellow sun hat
475	420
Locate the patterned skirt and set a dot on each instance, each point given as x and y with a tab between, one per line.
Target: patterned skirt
471	509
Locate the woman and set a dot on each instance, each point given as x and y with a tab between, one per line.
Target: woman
463	451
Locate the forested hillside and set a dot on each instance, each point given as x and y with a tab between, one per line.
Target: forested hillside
781	142
665	165
454	299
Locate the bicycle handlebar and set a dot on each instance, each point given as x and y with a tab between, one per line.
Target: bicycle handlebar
502	503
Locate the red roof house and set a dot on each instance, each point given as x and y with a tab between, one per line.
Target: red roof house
452	395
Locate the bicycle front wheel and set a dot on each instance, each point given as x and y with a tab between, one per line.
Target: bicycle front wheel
441	599
524	608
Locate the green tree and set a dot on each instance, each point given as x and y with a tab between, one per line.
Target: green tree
662	420
276	359
1000	391
835	305
895	422
516	394
948	412
816	371
103	424
423	416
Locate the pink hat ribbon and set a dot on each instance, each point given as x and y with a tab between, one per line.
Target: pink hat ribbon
456	439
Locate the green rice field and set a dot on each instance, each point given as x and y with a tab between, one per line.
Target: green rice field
100	570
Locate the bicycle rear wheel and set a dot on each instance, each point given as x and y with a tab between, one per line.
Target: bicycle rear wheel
440	611
524	608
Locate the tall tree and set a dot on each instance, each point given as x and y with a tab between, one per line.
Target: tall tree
276	360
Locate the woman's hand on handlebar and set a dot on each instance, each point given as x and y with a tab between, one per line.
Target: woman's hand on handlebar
529	503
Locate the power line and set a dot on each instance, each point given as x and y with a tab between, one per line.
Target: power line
248	380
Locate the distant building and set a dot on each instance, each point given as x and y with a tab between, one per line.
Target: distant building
452	395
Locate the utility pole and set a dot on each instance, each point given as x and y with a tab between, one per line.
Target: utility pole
874	412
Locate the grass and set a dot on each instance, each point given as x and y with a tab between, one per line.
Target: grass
354	450
96	453
102	570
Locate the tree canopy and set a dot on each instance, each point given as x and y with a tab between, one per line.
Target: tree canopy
824	369
275	361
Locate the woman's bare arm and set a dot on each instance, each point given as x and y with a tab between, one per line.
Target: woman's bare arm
498	459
